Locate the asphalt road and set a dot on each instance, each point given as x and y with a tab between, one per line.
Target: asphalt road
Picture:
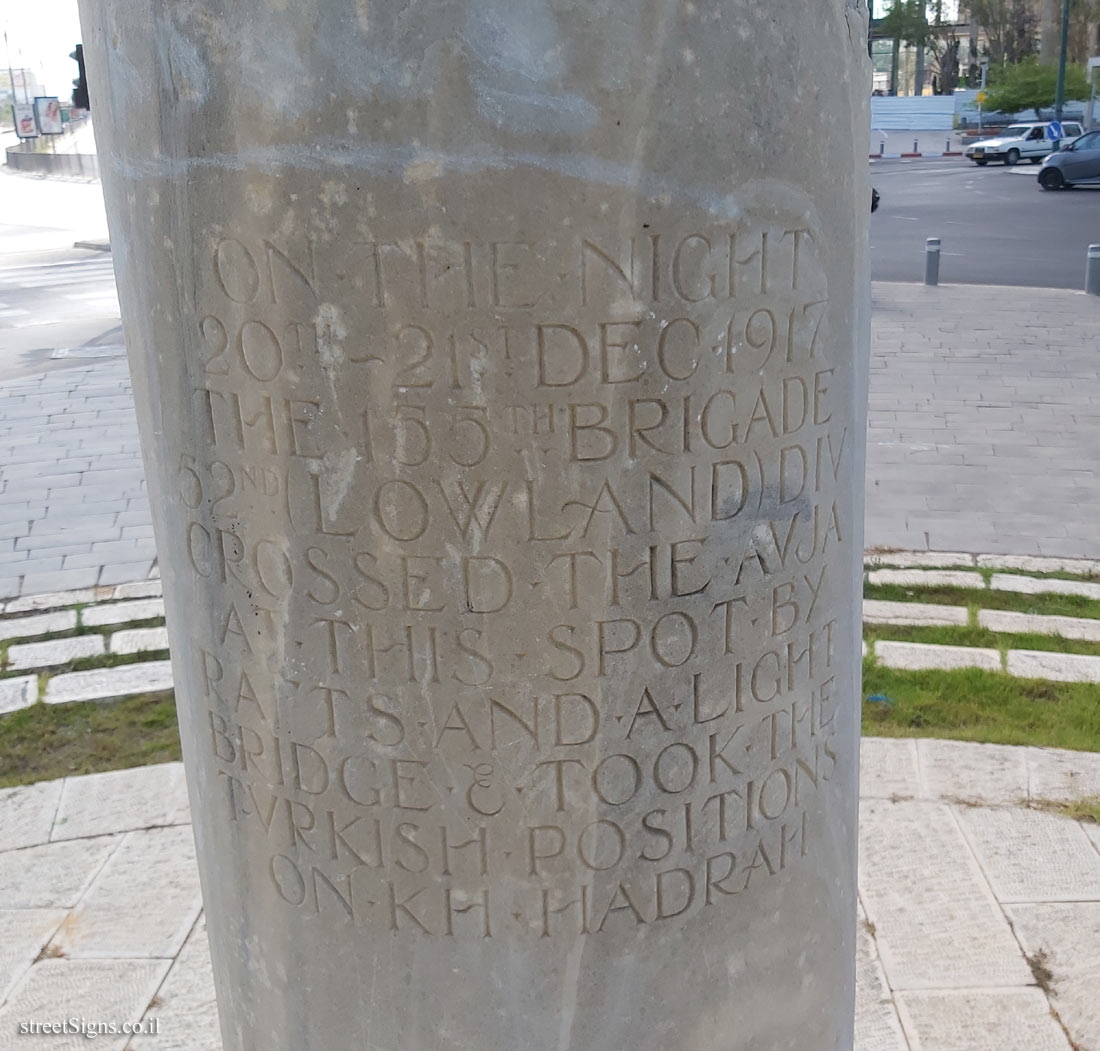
997	227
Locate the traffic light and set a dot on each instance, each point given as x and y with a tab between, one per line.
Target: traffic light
80	85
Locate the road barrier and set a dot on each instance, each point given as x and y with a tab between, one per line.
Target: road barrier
932	261
1092	271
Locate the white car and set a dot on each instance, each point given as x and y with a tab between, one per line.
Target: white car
1020	142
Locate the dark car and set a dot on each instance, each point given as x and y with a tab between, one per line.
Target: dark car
1077	163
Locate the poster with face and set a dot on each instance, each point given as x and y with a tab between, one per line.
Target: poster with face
23	116
48	111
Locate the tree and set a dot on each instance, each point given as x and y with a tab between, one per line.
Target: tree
1011	26
1029	85
907	23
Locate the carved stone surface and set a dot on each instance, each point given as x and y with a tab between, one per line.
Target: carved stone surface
501	372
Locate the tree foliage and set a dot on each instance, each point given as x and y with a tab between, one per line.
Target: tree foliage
1029	85
1011	26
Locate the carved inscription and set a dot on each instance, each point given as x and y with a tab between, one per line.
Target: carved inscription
525	559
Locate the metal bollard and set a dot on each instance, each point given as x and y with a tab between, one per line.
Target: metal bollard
932	261
882	149
916	146
947	146
1092	271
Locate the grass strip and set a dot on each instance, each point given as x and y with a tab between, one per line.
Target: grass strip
48	741
1047	605
975	705
981	637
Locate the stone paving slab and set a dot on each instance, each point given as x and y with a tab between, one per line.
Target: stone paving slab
127	679
96	990
1028	623
877	1024
139	640
144	902
42	624
187	1011
57	651
1067	936
1059	667
119	800
993	1020
52	875
888	768
1056	773
937	925
23	934
927	578
1043	586
27	813
1030	856
121	612
18	692
913	656
967	772
924	614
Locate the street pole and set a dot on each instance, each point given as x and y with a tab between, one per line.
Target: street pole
11	77
1060	91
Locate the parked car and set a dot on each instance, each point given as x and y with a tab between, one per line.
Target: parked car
1021	142
1077	162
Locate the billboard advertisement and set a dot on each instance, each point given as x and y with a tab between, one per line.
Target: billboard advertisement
23	117
47	109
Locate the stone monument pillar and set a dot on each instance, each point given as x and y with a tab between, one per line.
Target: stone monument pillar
501	370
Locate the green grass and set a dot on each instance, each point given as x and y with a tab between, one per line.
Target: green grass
973	636
1048	605
48	741
974	705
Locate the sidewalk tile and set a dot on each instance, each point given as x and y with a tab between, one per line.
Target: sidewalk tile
27	813
120	800
917	655
139	640
1061	775
97	990
1057	667
1003	620
876	611
936	924
964	771
140	589
1068	937
42	624
919	559
971	1020
101	683
1028	855
1037	564
143	903
929	578
58	580
188	1011
23	933
18	693
51	600
51	874
54	652
1044	586
888	768
877	1026
121	612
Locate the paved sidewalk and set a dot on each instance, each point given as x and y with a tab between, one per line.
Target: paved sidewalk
984	435
979	913
984	424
